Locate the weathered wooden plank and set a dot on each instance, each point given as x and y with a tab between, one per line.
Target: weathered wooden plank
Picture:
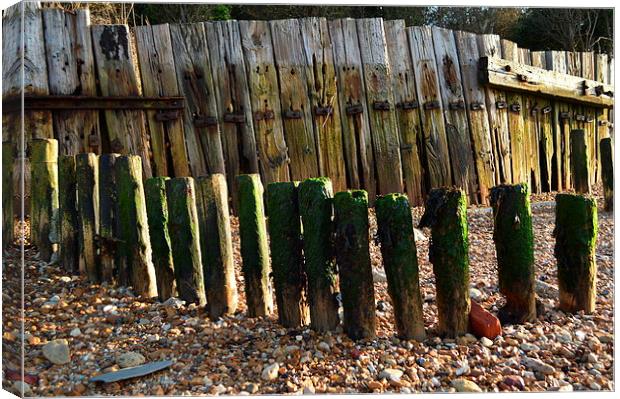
544	116
610	112
8	217
117	77
407	110
601	70
556	61
532	130
323	93
455	113
427	86
71	69
263	84
381	110
590	124
156	58
195	80
357	140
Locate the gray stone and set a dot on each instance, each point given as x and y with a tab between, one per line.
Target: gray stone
463	385
57	351
130	359
391	374
270	372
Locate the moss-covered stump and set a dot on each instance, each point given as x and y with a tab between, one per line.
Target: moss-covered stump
287	260
607	172
107	218
315	208
134	245
353	260
218	266
579	161
185	239
514	244
254	247
44	194
575	244
395	230
157	213
7	194
68	214
446	215
87	182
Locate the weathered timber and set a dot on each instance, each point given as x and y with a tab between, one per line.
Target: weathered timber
353	259
218	265
161	246
556	61
607	172
544	117
265	100
116	74
446	214
68	218
531	129
134	245
514	244
590	124
323	93
573	67
154	47
7	194
254	246
87	183
357	140
398	249
601	71
315	208
106	239
580	176
575	233
407	110
287	261
183	228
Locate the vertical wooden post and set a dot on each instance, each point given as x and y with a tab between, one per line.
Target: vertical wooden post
86	172
44	193
157	213
254	249
7	194
579	161
218	265
287	260
607	172
353	259
315	207
514	243
446	215
135	264
68	214
395	229
575	246
107	218
185	239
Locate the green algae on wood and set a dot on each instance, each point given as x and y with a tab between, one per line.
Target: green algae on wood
575	233
398	249
86	172
607	172
514	244
68	214
579	161
353	259
315	207
7	194
287	261
446	215
107	217
185	239
254	247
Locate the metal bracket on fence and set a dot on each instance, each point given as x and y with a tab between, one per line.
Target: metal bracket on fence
204	121
431	105
515	107
546	109
354	109
501	104
48	103
230	117
407	105
460	104
476	106
323	111
589	119
264	115
381	106
580	118
292	114
565	115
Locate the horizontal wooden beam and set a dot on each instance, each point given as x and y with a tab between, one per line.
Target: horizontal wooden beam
508	75
14	104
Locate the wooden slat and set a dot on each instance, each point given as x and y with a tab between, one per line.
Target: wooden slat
590	125
601	71
455	113
408	116
610	112
546	148
532	130
383	125
427	86
323	93
156	59
351	94
195	81
117	77
263	84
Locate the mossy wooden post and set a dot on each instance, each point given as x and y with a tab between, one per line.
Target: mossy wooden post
353	259
579	161
7	194
107	217
68	214
315	207
134	245
287	261
575	232
185	239
395	229
254	247
157	214
44	193
87	182
514	244
446	215
607	172
218	265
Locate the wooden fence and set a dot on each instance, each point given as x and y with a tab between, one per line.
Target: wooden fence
371	104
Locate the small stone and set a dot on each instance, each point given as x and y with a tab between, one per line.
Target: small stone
109	308
251	387
486	342
381	306
76	332
476	294
606	338
206	381
378	276
130	359
291	349
391	374
65	279
592	358
299	338
538	365
463	385
324	347
595	386
435	382
270	372
57	351
374	385
219	389
515	381
527	347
